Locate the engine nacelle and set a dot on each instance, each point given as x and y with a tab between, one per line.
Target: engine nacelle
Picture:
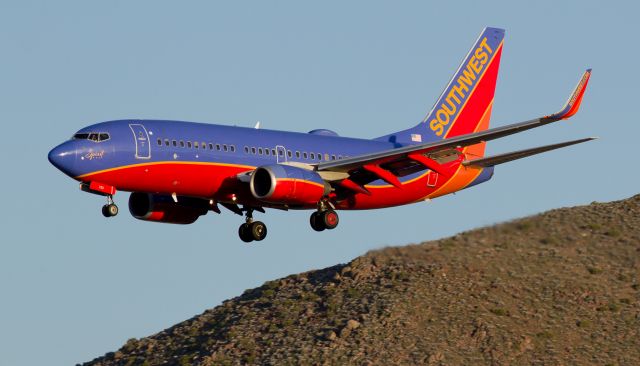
288	185
161	208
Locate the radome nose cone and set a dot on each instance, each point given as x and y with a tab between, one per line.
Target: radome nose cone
63	157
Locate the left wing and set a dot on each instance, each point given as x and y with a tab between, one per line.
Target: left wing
390	164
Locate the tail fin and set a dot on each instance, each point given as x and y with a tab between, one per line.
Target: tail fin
465	104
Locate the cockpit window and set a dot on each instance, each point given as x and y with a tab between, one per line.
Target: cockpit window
93	136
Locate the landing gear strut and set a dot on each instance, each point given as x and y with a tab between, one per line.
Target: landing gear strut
110	209
252	230
324	218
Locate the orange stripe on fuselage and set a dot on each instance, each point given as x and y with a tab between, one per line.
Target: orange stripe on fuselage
81	177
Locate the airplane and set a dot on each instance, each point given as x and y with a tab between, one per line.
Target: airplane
178	171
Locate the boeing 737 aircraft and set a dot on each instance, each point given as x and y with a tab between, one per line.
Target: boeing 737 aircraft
179	171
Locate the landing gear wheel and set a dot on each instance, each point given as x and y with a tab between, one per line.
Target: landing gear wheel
258	230
316	221
245	233
109	210
330	219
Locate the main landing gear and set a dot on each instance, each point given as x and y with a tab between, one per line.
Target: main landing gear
110	209
252	230
324	218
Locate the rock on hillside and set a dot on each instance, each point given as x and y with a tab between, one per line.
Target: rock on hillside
562	287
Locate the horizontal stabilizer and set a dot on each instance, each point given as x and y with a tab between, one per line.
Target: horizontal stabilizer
504	158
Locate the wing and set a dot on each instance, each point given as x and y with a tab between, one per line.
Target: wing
515	155
390	164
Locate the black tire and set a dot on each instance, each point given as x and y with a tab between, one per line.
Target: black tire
105	211
316	222
112	209
258	230
330	219
245	233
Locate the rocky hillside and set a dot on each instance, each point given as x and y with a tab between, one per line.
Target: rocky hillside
562	287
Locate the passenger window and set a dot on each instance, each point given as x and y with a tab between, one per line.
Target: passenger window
232	148
326	157
289	153
224	147
320	156
159	142
304	155
218	147
181	143
266	151
333	157
253	150
174	143
273	152
189	144
313	156
246	149
259	151
210	146
281	153
166	142
297	154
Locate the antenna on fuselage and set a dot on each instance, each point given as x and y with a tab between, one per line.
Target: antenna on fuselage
257	126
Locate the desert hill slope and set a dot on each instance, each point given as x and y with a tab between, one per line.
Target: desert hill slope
562	287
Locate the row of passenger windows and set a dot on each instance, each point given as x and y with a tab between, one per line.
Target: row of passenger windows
197	145
249	150
280	152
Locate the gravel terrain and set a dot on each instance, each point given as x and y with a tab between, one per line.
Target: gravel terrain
559	288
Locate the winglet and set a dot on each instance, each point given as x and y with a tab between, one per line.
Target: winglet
573	104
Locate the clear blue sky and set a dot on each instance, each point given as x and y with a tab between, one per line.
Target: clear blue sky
74	285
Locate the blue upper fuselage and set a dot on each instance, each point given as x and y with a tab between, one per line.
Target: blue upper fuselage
114	144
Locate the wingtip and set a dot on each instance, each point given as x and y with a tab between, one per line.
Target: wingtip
573	104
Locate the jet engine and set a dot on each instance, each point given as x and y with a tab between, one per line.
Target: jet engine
287	185
162	208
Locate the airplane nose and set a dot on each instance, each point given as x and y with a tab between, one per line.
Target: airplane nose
63	157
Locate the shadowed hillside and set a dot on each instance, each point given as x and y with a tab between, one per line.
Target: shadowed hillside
562	287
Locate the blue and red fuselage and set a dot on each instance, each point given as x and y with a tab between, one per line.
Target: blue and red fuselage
205	160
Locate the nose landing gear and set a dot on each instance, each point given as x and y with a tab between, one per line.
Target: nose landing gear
252	230
110	209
